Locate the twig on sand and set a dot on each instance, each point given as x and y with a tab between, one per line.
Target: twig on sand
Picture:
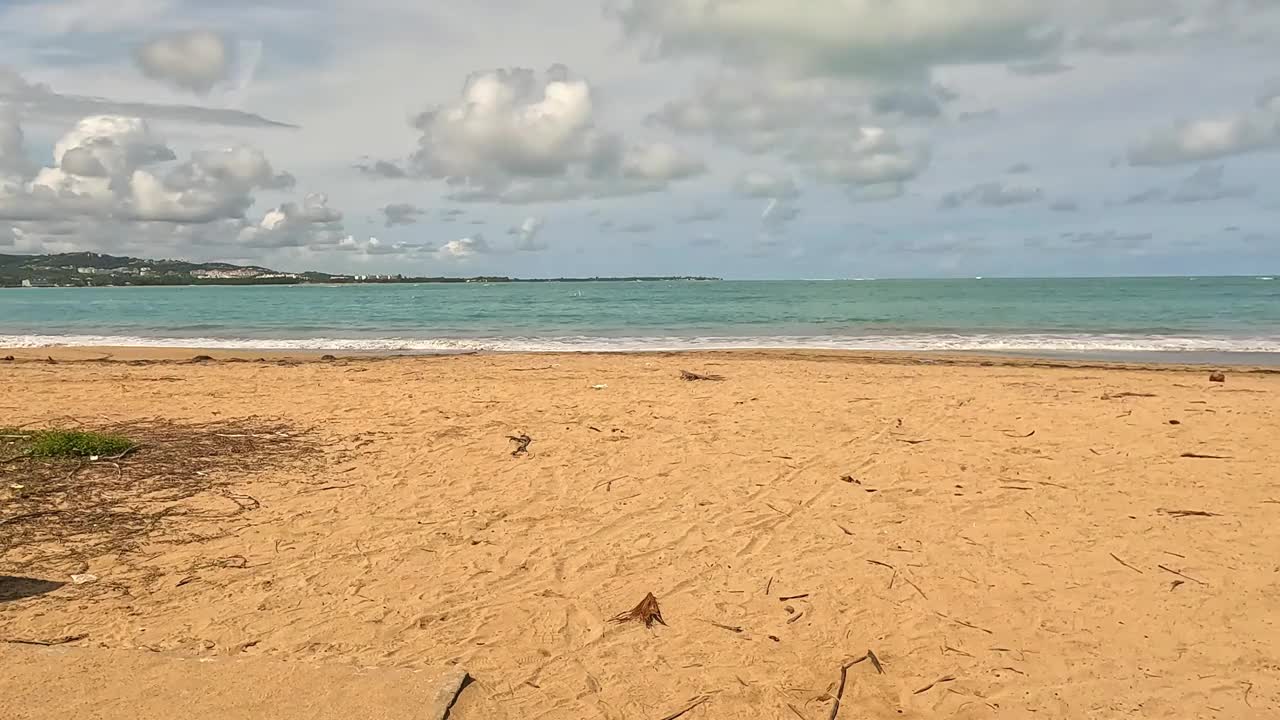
693	377
917	587
1117	559
844	676
730	628
793	597
911	442
692	704
1187	513
1206	457
930	686
962	623
891	567
608	484
522	447
646	612
1015	435
1113	396
768	585
1179	574
46	643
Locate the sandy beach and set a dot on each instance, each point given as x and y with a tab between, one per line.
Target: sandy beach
1009	538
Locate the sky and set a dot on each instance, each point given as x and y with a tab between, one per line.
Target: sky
733	138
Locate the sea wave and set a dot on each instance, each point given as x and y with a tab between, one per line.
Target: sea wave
1069	343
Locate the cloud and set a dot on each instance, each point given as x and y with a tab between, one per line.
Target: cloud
513	137
777	214
700	213
704	240
869	155
1269	98
879	192
911	102
1205	184
992	194
113	182
660	162
1211	138
1037	68
374	247
1019	169
194	60
311	223
464	248
40	102
1064	205
527	235
1103	240
637	227
764	184
402	214
839	36
14	164
382	169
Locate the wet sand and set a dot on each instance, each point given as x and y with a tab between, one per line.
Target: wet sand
1003	532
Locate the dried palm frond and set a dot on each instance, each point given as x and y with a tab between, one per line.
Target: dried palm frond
646	612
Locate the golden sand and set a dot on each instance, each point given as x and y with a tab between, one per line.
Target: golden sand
1005	537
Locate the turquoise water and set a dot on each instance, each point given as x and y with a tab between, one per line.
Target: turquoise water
1218	315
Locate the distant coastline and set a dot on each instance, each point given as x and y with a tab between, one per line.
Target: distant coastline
85	269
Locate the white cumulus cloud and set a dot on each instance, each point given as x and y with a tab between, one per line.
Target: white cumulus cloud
527	233
515	137
464	248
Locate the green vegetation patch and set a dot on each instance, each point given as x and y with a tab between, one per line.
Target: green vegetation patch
66	443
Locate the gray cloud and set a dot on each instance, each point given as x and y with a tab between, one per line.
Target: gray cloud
382	169
777	214
194	60
700	213
637	227
765	184
1039	67
834	36
401	214
1064	205
992	194
1206	184
1091	241
39	101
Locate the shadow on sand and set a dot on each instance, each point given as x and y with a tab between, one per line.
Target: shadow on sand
21	588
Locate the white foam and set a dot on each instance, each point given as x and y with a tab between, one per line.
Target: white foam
906	342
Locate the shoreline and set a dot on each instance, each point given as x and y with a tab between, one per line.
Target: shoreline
1173	361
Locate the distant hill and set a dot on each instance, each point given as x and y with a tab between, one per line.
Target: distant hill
87	269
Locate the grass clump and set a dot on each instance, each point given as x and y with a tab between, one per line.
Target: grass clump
67	443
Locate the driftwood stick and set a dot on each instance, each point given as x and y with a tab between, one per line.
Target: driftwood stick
1117	559
1175	572
692	704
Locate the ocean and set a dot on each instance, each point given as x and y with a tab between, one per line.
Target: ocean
1214	319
